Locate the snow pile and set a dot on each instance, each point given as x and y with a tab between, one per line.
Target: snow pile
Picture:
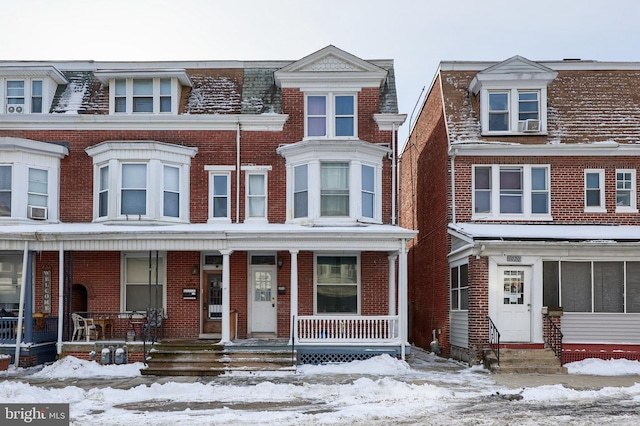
72	367
602	367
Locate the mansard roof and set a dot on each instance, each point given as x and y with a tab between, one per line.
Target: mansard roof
587	101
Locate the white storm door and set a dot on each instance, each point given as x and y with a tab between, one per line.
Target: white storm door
514	322
263	299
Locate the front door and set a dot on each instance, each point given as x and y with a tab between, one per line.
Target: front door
515	310
263	299
212	303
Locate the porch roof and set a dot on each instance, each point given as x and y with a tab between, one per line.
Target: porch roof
545	232
244	236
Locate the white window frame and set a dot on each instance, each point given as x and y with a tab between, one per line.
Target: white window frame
22	156
155	156
28	96
527	192
515	125
103	191
356	153
601	208
358	284
253	171
331	114
457	291
125	279
7	189
216	171
31	192
297	191
169	190
632	207
157	95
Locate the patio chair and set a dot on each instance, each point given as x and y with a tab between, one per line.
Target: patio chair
83	327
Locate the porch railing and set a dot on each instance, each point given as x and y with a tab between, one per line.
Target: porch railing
44	331
347	329
494	339
553	337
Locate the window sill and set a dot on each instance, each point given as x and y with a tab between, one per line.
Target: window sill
626	210
594	210
529	218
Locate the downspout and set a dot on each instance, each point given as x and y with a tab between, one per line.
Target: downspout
60	296
453	186
394	194
402	296
238	171
23	288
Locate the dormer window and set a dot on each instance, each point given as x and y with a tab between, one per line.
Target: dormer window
526	107
28	90
513	97
331	115
144	91
144	95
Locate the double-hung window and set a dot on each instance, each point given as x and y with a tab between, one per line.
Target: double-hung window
38	188
171	198
144	95
594	191
512	111
511	192
24	96
368	191
337	284
626	191
256	189
36	96
301	191
331	115
133	198
103	192
144	281
460	287
5	190
334	189
219	193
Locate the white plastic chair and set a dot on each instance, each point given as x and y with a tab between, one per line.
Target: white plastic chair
83	327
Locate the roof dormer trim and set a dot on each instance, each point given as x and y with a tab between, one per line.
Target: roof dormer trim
105	75
514	70
328	67
35	71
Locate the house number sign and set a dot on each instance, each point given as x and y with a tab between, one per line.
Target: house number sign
514	258
46	291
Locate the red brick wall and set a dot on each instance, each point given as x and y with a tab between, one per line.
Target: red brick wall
478	305
567	186
424	205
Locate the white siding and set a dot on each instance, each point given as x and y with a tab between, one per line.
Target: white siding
459	329
579	327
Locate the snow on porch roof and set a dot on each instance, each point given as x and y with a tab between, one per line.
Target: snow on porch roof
542	232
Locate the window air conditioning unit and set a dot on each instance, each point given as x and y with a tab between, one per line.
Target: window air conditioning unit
531	126
15	109
37	212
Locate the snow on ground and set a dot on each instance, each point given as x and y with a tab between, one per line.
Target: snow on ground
378	391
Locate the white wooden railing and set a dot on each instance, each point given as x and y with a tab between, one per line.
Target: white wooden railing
347	329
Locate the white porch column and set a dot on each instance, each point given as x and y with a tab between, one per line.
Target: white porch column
61	317
392	283
402	298
293	295
226	297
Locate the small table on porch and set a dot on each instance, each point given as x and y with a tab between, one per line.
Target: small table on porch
106	326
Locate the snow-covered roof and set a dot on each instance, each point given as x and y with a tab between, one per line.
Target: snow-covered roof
540	232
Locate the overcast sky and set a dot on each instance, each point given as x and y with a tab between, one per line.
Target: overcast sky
416	34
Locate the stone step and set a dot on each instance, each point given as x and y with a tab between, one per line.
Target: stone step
523	361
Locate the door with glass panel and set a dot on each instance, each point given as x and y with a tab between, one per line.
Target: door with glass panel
212	302
514	314
262	296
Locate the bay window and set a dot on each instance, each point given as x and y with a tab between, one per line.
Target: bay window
141	181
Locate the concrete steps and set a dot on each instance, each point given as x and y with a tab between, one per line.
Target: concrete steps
194	359
527	361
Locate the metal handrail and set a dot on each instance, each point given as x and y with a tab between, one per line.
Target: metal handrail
553	337
494	339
